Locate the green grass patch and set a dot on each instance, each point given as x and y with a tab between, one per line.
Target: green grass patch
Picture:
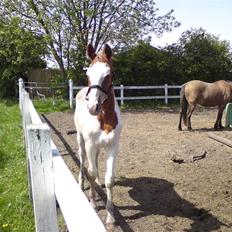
16	212
49	105
149	104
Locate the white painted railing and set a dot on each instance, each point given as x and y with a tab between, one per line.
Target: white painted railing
122	89
50	179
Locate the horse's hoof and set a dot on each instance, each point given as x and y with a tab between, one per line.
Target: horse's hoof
219	127
179	128
190	129
110	226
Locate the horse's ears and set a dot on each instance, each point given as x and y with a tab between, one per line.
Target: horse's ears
107	50
90	52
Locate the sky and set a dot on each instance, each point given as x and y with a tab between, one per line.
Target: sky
215	16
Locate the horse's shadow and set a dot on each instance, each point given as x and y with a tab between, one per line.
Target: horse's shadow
158	197
212	129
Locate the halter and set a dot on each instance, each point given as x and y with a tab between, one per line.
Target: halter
106	92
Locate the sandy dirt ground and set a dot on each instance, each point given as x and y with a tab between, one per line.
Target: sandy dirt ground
152	192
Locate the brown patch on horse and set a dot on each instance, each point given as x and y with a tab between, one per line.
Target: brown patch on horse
108	117
102	57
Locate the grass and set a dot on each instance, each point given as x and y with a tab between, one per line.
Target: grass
48	105
16	212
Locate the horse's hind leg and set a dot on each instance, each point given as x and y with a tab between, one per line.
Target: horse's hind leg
109	183
190	111
180	119
82	156
218	123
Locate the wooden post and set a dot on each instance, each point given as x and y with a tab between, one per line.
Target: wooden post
41	170
70	93
20	82
121	95
26	121
166	93
25	111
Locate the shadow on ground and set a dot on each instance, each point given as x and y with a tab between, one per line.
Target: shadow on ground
158	197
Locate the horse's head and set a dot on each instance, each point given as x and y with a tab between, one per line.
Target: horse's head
99	78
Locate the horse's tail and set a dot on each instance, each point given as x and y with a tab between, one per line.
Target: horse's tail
183	106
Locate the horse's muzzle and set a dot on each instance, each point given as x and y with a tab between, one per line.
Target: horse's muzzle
94	109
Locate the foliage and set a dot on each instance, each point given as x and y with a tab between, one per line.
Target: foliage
20	50
144	105
200	55
144	65
16	212
70	25
197	55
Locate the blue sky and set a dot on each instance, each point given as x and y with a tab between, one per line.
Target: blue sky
215	16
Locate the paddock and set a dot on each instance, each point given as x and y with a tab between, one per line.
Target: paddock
153	190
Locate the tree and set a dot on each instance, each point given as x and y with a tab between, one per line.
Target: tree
70	25
143	65
20	51
200	55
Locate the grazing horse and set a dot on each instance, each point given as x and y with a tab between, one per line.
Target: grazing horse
195	92
98	123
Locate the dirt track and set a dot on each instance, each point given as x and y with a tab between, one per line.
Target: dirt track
153	193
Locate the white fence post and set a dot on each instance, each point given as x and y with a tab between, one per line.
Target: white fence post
70	93
166	93
20	82
26	121
121	95
41	170
25	110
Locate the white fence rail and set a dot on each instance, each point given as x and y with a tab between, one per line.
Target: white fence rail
50	179
122	89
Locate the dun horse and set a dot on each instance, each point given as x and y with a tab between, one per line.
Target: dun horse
98	123
196	92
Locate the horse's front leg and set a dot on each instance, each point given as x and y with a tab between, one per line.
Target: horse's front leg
91	152
109	183
97	178
82	156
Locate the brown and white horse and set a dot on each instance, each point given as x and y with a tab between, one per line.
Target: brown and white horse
98	123
195	92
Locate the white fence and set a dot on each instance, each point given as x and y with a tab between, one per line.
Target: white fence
122	89
50	179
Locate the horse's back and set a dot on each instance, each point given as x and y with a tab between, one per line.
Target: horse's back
207	94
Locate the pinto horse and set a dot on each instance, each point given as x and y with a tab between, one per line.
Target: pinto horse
195	92
98	123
